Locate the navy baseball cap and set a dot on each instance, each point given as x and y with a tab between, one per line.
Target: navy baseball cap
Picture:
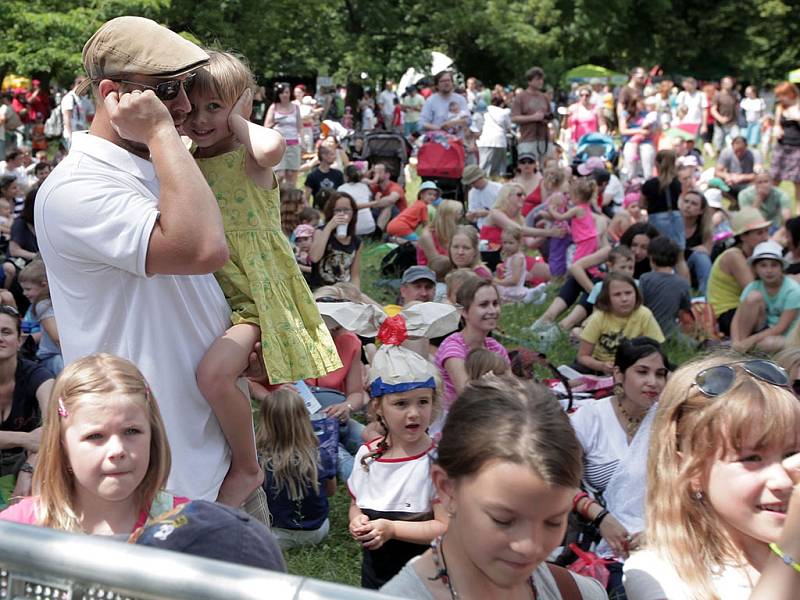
212	530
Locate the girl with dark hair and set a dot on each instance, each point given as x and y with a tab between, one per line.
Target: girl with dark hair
507	468
284	117
698	230
614	434
365	222
336	251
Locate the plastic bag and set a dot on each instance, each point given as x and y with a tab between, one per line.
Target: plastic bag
590	565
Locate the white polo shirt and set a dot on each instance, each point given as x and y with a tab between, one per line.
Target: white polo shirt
482	199
94	215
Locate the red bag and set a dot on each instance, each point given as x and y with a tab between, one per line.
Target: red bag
441	156
590	565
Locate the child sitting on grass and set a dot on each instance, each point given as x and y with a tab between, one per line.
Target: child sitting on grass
618	315
665	293
769	307
405	224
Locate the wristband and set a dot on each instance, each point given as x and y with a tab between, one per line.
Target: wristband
578	497
787	560
599	518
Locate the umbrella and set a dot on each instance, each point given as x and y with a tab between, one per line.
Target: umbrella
794	76
584	73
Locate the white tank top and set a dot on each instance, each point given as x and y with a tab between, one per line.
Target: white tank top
286	123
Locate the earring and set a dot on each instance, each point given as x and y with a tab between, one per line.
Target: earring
618	390
698	496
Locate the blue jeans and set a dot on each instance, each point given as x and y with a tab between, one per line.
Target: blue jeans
700	267
349	433
409	128
753	133
670	224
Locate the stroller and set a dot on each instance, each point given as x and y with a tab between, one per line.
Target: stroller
596	144
441	160
389	149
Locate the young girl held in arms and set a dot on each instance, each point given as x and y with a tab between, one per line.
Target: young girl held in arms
508	466
720	478
269	299
298	479
104	456
33	279
393	514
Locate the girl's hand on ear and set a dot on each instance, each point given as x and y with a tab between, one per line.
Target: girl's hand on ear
243	107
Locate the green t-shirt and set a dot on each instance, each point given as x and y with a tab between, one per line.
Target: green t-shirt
772	206
416	101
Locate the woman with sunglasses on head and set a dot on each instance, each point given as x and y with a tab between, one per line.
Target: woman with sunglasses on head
584	117
718	482
24	390
284	117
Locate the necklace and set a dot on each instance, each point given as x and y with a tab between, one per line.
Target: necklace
631	423
437	549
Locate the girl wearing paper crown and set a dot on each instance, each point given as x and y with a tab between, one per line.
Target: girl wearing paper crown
392	511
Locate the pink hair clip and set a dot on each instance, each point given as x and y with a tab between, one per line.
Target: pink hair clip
62	410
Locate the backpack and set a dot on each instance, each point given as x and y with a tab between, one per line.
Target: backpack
54	125
398	260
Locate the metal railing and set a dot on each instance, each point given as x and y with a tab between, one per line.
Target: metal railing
44	564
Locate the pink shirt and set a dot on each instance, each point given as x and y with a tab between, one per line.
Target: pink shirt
24	511
456	347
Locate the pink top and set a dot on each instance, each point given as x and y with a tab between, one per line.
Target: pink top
421	258
582	120
456	347
583	228
24	511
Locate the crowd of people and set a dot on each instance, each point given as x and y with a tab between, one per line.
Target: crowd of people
156	290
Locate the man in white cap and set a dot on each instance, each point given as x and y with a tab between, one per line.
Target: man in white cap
130	233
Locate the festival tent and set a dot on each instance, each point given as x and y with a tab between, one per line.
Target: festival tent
585	73
794	76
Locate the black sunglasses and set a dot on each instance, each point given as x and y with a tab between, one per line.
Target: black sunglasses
526	161
166	90
6	309
715	381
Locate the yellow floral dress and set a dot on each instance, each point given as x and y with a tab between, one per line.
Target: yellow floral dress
261	280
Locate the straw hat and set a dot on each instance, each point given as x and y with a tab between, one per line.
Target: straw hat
748	219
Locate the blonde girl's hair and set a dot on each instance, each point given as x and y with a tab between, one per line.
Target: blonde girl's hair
690	432
287	443
503	200
445	222
513	232
472	234
97	378
789	357
583	190
457	278
553	178
226	76
35	272
481	361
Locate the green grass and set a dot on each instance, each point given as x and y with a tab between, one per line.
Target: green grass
339	558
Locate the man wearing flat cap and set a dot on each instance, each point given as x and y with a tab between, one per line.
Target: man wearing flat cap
130	233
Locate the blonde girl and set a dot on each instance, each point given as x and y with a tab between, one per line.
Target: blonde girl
104	453
582	227
507	468
512	285
434	240
270	300
718	487
296	483
33	280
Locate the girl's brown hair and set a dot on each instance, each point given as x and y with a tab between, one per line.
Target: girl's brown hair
226	76
481	361
689	433
466	293
666	164
445	222
331	204
287	444
583	189
603	301
500	419
97	378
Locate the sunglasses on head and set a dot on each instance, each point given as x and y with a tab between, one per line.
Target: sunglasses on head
527	161
166	90
6	309
715	381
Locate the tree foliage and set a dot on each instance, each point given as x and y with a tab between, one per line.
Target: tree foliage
496	40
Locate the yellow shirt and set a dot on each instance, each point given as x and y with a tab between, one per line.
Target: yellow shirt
723	290
606	331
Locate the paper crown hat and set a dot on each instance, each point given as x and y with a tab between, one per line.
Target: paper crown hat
395	368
